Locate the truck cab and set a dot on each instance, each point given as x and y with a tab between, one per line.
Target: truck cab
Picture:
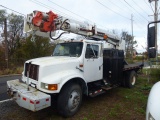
74	59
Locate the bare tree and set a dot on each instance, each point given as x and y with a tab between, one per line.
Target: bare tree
15	32
128	43
2	17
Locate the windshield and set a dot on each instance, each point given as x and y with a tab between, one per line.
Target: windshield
72	49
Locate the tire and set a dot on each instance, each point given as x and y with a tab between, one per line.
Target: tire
130	79
69	100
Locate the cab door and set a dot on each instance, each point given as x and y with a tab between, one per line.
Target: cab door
93	62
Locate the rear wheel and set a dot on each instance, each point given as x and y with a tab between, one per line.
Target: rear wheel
69	100
130	79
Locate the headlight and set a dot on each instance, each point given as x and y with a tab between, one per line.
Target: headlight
150	117
50	86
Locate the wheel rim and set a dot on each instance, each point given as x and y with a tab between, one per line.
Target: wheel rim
133	80
73	101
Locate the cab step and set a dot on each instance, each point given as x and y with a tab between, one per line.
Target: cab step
106	88
95	93
109	87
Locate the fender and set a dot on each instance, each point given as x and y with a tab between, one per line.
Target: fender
60	78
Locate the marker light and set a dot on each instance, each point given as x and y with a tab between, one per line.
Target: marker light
52	86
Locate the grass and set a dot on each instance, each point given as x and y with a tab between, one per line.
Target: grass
117	104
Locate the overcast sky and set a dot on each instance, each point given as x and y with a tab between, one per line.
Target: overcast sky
106	14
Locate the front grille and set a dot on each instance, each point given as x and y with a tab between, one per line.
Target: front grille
33	72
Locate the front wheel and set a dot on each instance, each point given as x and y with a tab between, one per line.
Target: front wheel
69	99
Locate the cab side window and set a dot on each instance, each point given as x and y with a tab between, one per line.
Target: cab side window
92	51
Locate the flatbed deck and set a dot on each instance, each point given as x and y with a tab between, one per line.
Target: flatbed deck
134	66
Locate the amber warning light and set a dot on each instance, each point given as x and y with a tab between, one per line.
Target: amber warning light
105	37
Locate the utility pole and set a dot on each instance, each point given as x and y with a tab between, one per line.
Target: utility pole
132	37
6	43
155	19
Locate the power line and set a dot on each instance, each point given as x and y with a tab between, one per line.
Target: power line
136	17
12	10
151	7
46	6
66	9
138	26
69	11
43	5
122	23
135	10
74	13
147	4
140	7
117	5
120	8
123	9
112	10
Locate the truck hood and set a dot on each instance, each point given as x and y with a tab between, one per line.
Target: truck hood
52	69
47	61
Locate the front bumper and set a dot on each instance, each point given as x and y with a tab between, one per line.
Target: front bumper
31	99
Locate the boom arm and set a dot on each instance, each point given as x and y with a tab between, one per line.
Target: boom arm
45	24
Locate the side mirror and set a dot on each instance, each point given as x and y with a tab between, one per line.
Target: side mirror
151	37
151	42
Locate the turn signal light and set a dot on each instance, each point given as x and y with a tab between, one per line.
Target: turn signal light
52	86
